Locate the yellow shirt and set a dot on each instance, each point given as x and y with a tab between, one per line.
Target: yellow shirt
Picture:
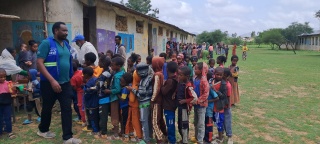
97	71
244	48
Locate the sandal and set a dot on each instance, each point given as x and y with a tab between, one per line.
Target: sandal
113	137
11	136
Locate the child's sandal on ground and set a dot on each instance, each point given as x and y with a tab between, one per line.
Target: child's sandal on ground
104	136
113	137
11	136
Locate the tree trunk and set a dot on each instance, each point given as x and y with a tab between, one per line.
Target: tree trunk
293	49
259	46
287	46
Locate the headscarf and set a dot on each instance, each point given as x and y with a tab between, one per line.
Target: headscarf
8	63
157	64
144	70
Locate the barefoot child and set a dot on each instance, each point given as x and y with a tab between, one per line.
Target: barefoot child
168	92
201	87
5	105
185	98
234	80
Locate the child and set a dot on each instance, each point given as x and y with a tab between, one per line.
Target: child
227	109
189	65
180	60
91	99
138	60
5	104
194	61
219	86
104	99
144	93
209	111
109	54
168	92
212	62
201	87
133	122
234	80
76	83
126	80
221	60
23	48
149	60
90	58
185	97
164	69
130	63
23	58
156	100
194	51
174	57
34	97
115	90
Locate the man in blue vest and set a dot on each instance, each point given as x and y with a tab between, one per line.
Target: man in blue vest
55	65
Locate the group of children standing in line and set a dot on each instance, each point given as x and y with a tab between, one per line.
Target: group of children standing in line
143	100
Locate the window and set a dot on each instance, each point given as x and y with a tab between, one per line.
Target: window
121	23
167	32
160	31
139	27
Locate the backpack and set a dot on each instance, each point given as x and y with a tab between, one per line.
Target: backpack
222	94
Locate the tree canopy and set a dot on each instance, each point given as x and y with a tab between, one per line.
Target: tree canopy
211	37
143	6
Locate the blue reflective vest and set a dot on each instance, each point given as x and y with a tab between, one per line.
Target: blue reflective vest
52	62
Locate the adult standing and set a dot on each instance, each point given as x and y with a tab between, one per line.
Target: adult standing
7	63
55	65
85	47
120	49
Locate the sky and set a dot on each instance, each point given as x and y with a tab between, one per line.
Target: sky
236	16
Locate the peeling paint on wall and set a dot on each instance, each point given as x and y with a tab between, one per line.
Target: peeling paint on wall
23	31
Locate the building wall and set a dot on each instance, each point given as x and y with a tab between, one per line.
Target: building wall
31	25
309	43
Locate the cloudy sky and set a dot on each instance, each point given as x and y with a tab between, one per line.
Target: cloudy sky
236	16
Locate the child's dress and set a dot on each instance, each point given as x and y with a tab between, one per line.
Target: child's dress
235	97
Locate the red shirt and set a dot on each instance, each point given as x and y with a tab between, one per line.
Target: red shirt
76	81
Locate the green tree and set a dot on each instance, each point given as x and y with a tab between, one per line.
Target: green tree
293	30
258	40
273	37
211	37
142	6
236	41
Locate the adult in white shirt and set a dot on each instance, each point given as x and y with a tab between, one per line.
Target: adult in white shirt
85	47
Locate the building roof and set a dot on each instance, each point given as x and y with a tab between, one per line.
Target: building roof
9	16
120	6
317	32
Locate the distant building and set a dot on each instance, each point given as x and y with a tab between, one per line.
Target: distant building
309	41
98	20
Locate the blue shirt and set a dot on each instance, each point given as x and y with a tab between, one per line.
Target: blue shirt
212	95
91	98
196	83
124	94
164	71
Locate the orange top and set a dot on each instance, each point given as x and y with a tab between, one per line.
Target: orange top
97	71
133	101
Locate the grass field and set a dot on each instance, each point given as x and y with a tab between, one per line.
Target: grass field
280	102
